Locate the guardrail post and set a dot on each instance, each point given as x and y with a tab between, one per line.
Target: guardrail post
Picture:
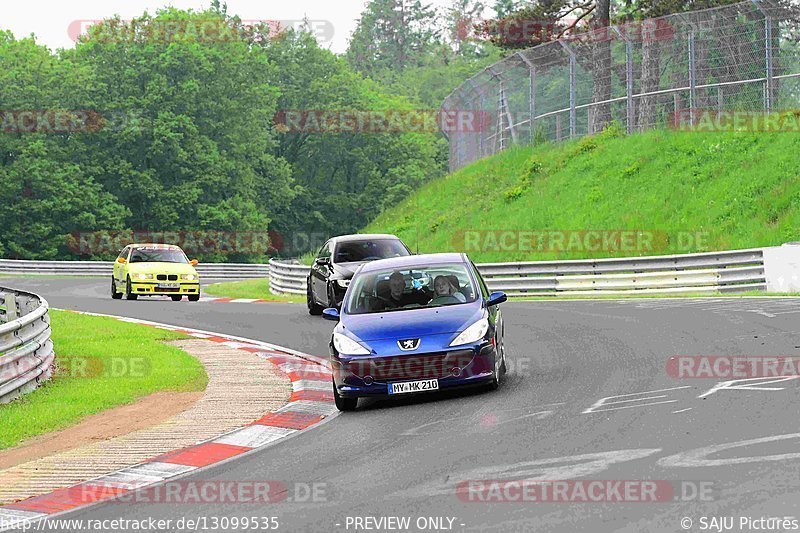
10	302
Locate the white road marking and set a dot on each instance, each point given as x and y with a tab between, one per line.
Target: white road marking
761	312
595	408
732	385
695	458
682	410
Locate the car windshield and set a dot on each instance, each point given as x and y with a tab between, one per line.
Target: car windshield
368	250
410	288
158	255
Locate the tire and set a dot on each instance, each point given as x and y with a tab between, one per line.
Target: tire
344	404
176	297
194	297
129	295
114	294
313	308
332	298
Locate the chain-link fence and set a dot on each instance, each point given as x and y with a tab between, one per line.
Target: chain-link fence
646	74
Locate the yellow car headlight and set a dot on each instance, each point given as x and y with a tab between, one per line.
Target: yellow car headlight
142	277
189	277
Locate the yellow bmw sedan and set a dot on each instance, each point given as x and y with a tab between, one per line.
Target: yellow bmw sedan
154	270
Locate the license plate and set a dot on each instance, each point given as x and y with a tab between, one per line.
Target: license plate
169	285
414	386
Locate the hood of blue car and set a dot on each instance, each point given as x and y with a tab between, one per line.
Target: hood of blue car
412	323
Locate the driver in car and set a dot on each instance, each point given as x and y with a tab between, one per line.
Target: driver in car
395	298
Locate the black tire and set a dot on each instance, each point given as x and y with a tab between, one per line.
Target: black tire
332	297
194	297
114	294
129	295
176	297
344	404
313	308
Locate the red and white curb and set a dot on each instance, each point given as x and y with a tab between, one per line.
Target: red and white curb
212	299
310	404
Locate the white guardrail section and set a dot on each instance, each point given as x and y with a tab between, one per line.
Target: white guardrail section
736	271
26	351
775	269
222	271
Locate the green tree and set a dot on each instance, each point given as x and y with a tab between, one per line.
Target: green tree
392	35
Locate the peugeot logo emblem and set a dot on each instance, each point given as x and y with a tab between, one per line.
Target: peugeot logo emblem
408	344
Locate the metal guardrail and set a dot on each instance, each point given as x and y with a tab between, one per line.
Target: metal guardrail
736	271
222	271
288	277
26	351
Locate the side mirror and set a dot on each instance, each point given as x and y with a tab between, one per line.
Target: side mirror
330	313
320	261
121	260
194	262
496	298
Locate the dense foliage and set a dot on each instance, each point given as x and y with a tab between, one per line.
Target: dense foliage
182	136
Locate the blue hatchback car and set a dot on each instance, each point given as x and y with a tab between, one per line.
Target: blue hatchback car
416	324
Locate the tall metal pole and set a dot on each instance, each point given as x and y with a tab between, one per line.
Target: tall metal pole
768	46
628	77
692	79
770	77
532	97
572	65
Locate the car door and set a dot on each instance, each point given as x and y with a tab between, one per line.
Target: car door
321	271
120	269
495	314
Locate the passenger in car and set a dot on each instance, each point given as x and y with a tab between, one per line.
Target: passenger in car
443	286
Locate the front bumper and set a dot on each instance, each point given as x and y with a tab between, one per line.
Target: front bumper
151	288
466	366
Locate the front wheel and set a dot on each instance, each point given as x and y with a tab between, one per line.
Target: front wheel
313	307
194	297
344	404
176	297
114	294
129	295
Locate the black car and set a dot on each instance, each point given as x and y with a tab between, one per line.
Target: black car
337	261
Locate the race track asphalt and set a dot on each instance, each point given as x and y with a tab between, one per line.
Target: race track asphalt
405	458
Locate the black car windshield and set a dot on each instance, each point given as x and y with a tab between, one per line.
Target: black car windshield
158	255
368	250
410	288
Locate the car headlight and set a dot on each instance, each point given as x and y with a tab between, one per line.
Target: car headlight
343	283
142	277
189	277
474	333
347	346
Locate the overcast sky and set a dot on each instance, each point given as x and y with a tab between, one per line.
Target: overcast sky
51	20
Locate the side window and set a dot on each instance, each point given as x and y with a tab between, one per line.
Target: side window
484	288
124	253
325	251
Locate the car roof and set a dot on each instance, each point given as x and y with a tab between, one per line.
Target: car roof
414	261
156	245
364	237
